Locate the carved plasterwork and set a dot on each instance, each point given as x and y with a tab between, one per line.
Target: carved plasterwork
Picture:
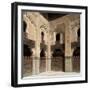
75	23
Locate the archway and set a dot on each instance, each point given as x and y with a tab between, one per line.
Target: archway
57	63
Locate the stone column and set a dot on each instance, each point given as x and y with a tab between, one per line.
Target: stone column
48	60
37	52
68	58
34	63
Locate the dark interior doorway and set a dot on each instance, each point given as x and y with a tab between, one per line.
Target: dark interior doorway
57	37
27	51
24	26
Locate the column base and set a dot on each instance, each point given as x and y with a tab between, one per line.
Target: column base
48	64
68	64
35	66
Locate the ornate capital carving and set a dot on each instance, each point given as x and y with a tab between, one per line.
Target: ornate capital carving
75	24
44	27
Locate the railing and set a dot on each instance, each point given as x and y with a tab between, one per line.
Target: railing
57	64
76	63
27	66
43	64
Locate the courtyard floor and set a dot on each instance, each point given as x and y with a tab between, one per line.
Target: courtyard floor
53	74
